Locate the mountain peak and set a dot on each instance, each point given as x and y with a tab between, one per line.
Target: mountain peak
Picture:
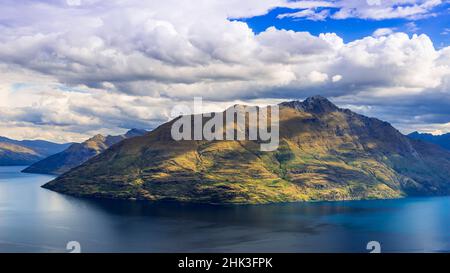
314	104
317	99
135	132
416	133
96	138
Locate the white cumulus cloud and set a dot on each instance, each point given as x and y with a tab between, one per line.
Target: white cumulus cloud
112	65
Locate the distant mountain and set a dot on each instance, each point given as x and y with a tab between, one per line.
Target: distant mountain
441	140
135	132
78	153
325	153
26	152
11	154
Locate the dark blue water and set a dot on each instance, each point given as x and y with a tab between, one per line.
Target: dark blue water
33	219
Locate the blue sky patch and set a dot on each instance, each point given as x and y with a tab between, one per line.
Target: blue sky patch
437	27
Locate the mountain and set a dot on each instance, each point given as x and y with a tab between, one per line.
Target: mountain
11	155
78	153
441	140
25	152
325	153
135	132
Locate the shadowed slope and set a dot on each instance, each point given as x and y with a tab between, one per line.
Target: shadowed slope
25	152
78	153
12	154
441	140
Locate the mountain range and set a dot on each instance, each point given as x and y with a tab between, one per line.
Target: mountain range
26	152
325	153
441	140
78	153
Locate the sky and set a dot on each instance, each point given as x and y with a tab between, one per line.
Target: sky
70	69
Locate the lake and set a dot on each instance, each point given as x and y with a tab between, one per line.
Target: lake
33	219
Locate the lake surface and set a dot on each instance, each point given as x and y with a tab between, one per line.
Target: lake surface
33	219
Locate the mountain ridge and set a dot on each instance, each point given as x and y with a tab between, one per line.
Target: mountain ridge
25	152
440	140
325	153
78	153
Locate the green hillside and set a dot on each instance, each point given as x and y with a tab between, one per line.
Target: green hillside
325	153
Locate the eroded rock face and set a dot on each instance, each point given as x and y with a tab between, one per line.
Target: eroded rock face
325	153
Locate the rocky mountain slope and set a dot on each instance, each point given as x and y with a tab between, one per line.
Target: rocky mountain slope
325	153
78	153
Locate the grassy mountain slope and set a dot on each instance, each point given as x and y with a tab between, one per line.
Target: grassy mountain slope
325	153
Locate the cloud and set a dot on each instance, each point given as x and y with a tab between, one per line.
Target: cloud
336	78
309	14
412	27
73	2
317	77
382	32
110	66
369	9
